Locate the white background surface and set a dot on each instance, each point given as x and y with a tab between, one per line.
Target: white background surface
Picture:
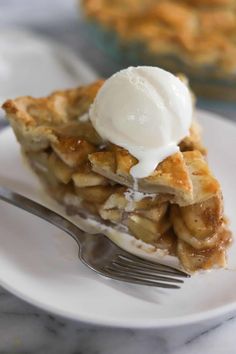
25	329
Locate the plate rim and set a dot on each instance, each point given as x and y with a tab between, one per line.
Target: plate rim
157	323
185	320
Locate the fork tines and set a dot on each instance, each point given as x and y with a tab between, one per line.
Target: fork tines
133	269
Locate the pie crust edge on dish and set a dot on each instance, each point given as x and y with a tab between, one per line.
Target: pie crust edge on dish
200	34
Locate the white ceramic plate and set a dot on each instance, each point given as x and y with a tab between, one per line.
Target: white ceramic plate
39	263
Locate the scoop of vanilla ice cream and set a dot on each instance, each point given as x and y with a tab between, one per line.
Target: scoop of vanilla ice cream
145	110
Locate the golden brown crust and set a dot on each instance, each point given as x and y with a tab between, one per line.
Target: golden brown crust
54	109
200	33
37	122
185	176
171	176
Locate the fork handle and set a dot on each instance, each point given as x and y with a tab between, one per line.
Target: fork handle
43	212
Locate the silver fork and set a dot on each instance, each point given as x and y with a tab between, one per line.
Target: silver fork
99	253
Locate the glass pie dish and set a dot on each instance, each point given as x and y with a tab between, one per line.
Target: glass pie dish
196	38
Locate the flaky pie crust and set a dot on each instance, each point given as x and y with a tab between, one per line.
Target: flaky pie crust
179	207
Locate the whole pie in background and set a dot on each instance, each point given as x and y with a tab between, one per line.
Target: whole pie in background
178	208
196	37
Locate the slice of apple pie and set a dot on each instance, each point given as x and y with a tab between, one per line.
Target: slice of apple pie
177	208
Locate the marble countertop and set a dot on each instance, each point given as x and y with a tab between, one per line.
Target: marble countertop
26	329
